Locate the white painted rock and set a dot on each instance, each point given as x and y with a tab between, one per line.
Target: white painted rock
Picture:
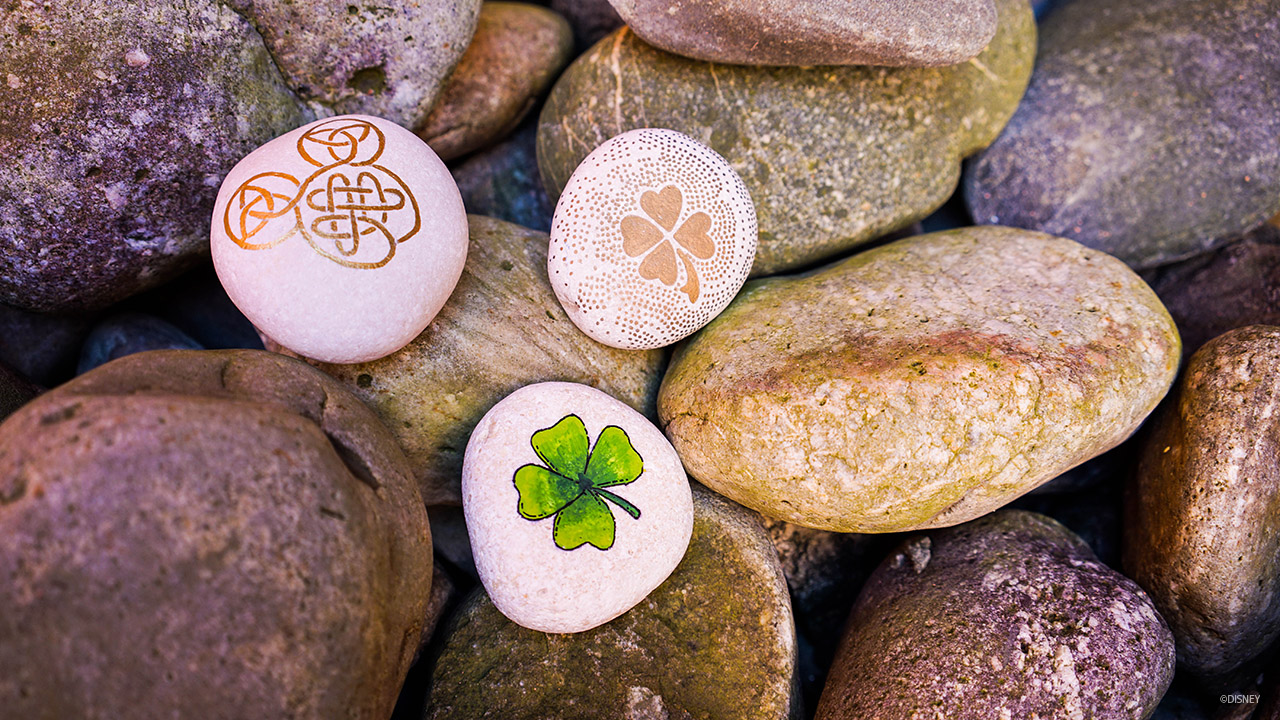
342	239
576	505
653	236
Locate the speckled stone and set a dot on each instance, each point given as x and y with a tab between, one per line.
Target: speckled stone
432	392
832	157
503	182
1231	287
1151	130
1203	512
389	59
920	384
715	641
912	33
124	125
247	525
1010	616
128	333
517	51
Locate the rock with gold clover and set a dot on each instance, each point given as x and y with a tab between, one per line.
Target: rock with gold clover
652	237
342	239
576	505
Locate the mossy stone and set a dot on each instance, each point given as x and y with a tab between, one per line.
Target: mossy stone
715	641
920	384
833	157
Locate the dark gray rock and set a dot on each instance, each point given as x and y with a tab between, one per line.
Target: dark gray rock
42	347
15	391
1009	616
129	333
591	19
1150	130
503	182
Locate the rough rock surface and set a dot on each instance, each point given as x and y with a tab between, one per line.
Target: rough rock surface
123	118
206	534
832	157
1009	616
1151	130
920	384
1203	512
912	33
517	51
388	59
715	641
15	391
501	329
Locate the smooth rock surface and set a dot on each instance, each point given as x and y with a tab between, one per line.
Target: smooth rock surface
1009	616
503	182
715	641
653	236
124	119
128	333
577	507
249	527
390	59
920	384
340	240
1151	130
1203	512
1231	287
517	51
832	157
433	391
912	33
42	347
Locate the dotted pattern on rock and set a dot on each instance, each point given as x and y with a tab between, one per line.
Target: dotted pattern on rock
665	182
919	384
1005	618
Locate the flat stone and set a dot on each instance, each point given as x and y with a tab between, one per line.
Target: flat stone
832	157
913	33
123	126
503	182
1233	286
248	525
516	53
128	333
390	59
340	240
432	392
1010	616
653	236
577	507
920	384
1151	130
715	641
1203	511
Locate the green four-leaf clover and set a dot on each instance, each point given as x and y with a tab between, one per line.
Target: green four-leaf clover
572	485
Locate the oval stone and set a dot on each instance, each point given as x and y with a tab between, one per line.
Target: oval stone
1010	616
1203	511
340	240
577	507
919	384
653	236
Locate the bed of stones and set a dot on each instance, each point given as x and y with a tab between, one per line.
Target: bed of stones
991	433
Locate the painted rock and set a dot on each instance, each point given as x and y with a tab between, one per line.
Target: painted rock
652	237
342	239
716	641
920	384
1010	616
911	33
569	494
1202	528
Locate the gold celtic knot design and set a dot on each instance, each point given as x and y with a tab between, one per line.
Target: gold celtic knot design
350	209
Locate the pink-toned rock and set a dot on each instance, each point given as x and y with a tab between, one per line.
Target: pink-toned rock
340	240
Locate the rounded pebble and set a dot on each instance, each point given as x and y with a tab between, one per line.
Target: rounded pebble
576	505
653	236
340	240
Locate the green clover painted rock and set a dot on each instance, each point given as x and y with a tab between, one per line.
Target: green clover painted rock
545	473
572	485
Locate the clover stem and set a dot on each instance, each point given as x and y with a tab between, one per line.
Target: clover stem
631	510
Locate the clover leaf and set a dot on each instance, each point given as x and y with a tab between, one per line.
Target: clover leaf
572	484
